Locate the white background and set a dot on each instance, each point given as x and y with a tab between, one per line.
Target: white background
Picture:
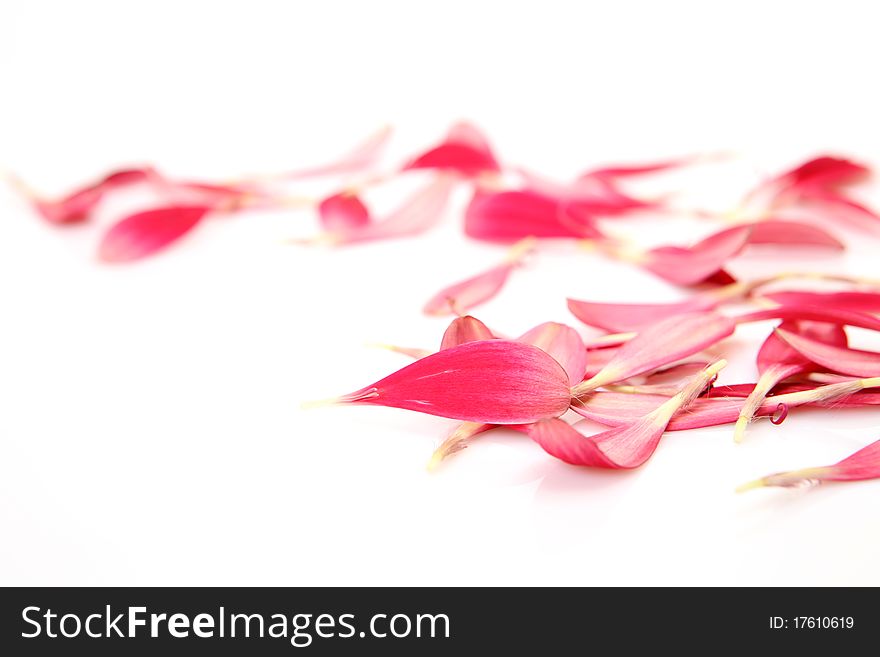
149	415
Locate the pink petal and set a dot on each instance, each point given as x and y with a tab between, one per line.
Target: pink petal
489	382
864	464
823	172
463	330
623	317
834	357
625	446
564	344
145	233
777	361
512	215
343	213
688	266
361	157
77	206
464	151
594	196
862	302
841	207
418	214
618	408
628	171
777	231
812	313
457	299
663	343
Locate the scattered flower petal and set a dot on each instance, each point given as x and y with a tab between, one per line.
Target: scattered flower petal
663	343
792	233
702	261
145	233
464	151
622	317
863	465
457	299
836	357
509	216
777	361
78	206
491	382
862	302
343	213
626	446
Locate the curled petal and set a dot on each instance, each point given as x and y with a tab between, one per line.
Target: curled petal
564	344
145	233
464	151
834	357
489	382
513	215
626	446
702	261
663	343
463	330
461	297
864	464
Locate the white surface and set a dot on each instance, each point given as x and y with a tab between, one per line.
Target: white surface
149	423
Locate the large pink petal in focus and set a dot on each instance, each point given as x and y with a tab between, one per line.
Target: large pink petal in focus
835	357
663	343
513	215
145	233
864	464
559	341
490	382
696	264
